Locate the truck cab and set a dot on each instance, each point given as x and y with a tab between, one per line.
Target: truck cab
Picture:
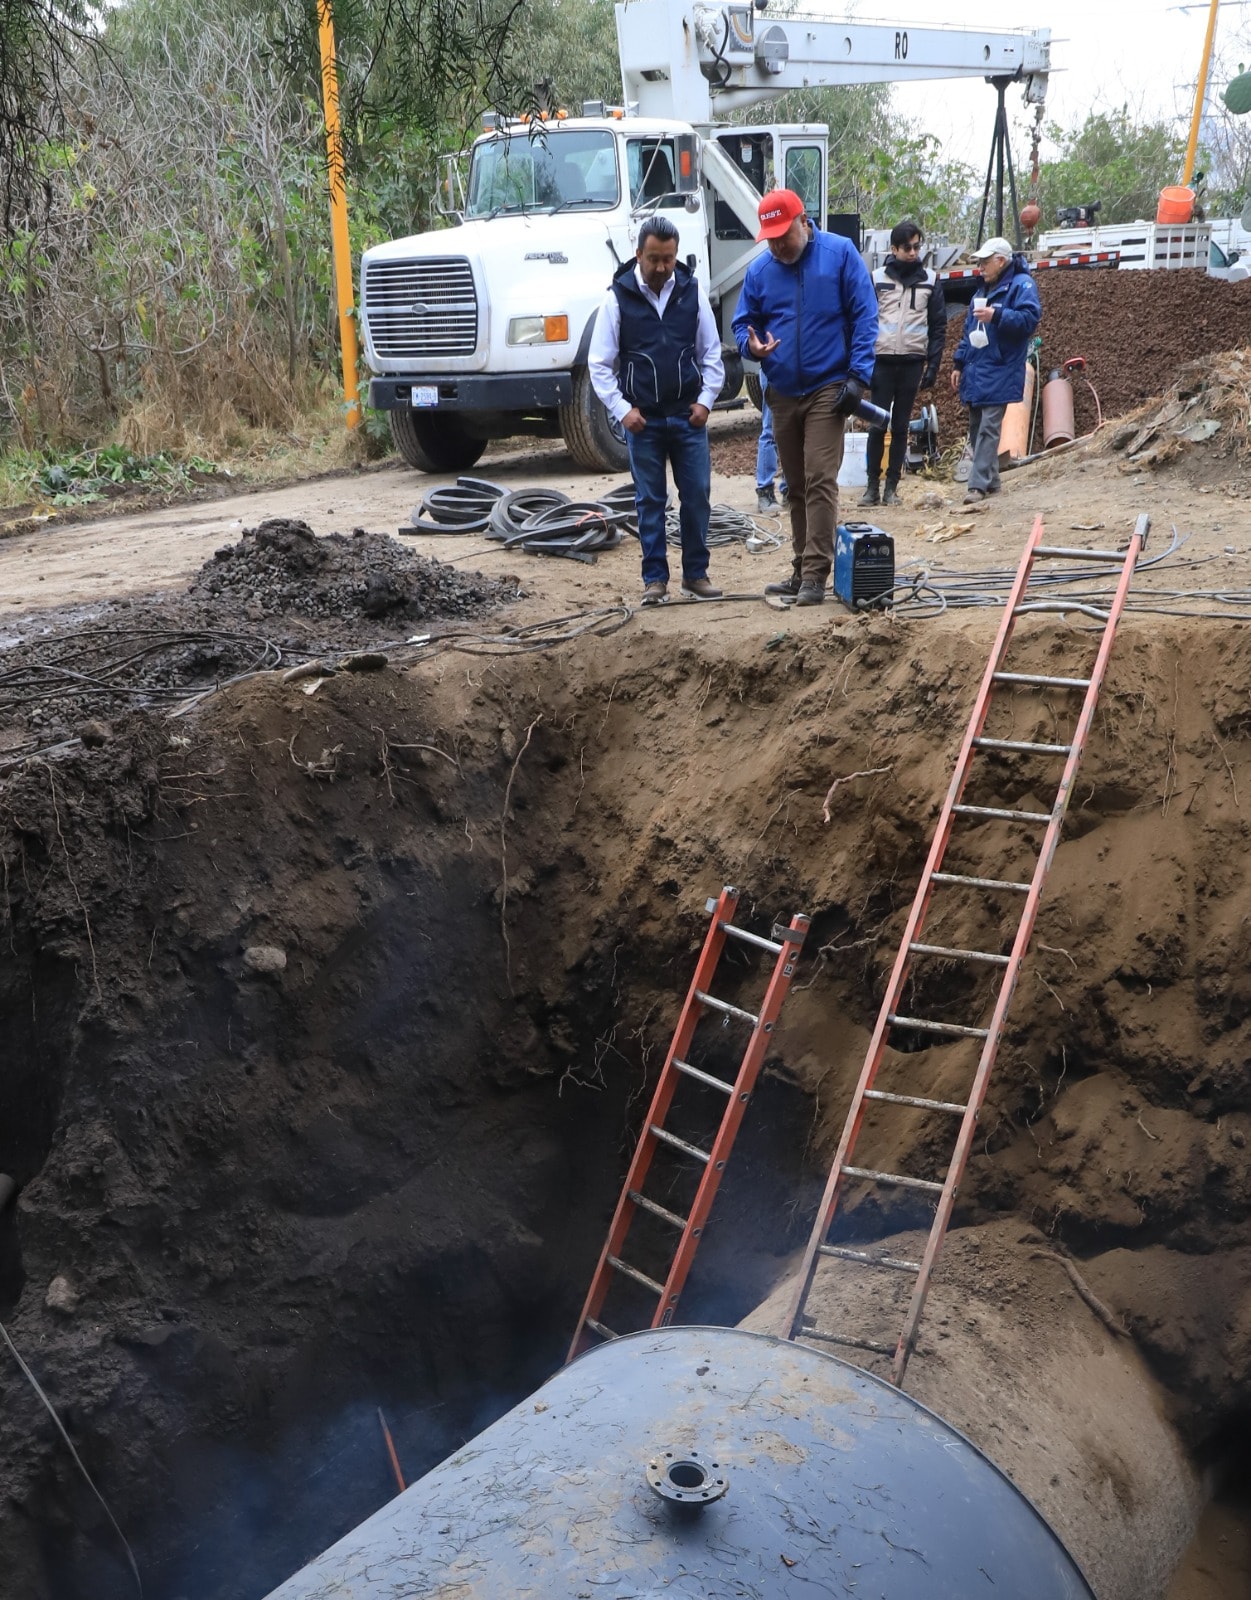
480	330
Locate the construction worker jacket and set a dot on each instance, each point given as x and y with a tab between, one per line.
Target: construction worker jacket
911	314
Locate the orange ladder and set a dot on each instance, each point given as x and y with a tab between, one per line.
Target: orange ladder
798	1324
785	945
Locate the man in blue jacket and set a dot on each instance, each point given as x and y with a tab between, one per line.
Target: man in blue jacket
988	368
808	315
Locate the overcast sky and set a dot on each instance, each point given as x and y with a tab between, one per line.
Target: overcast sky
1106	53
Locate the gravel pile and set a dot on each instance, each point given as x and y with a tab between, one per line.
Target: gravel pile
281	567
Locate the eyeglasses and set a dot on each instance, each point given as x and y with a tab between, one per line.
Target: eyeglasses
909	249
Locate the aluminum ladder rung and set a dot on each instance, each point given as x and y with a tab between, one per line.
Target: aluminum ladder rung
1042	679
873	1345
702	1077
899	1179
869	1259
639	1277
979	883
757	939
924	1025
1006	815
1075	553
1026	745
678	1144
599	1327
962	955
915	1100
657	1211
724	1005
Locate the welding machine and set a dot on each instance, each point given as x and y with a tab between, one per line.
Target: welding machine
864	564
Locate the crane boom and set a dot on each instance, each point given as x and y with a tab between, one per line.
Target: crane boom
695	58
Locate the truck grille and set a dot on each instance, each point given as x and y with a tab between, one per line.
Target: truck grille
417	310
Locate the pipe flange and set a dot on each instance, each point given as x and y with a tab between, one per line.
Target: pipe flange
686	1477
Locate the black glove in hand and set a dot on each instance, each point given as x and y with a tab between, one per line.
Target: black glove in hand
853	393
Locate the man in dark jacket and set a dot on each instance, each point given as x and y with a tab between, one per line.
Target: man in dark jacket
655	363
911	332
807	313
988	368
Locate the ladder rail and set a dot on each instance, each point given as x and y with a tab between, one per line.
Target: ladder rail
916	918
1020	947
714	1161
709	956
749	1070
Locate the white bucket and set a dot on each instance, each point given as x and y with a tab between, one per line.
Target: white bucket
854	472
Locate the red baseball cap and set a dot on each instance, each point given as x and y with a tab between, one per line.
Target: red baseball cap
778	209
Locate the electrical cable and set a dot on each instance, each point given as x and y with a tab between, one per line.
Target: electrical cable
78	1461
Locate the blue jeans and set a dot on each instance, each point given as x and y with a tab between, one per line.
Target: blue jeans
766	450
672	440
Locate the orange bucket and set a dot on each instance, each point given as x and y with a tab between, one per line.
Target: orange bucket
1176	205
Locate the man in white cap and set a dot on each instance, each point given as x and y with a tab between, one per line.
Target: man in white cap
988	368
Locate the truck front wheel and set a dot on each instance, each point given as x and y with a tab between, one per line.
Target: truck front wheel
434	443
595	441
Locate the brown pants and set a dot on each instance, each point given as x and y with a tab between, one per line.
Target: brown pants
809	438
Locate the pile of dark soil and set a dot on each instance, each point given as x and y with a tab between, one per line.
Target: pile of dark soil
281	567
277	597
1137	331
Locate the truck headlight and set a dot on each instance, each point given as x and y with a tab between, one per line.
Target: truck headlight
538	330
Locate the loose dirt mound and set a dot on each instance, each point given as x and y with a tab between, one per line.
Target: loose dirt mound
275	598
1137	331
282	567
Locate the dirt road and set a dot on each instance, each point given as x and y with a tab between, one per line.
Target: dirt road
129	554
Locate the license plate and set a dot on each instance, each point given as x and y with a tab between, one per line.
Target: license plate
425	394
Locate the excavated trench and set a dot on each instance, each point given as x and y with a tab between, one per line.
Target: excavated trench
329	1021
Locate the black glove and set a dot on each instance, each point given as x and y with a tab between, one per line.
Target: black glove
853	392
929	379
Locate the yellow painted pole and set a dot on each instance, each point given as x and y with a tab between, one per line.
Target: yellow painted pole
1192	146
341	249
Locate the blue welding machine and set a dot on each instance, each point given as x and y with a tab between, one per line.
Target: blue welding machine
864	564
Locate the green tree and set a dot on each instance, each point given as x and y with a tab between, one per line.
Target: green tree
1113	158
37	38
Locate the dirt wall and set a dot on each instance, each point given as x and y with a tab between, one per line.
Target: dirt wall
331	1022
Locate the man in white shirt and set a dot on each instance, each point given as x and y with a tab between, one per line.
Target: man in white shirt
655	362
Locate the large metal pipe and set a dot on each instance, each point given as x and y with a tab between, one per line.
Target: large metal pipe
706	1462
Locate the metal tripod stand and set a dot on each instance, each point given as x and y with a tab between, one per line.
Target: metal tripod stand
1000	160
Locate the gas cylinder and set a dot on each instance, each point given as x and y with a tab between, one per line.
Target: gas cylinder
1014	434
1057	410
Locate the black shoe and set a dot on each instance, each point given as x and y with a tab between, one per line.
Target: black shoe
788	586
870	497
891	497
810	594
765	499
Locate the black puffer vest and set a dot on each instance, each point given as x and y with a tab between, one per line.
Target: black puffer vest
657	368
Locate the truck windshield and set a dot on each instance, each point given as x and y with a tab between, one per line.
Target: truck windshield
562	170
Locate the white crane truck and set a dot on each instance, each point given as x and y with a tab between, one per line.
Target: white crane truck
480	331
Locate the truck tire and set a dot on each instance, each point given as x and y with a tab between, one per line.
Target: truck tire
434	443
595	441
754	390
